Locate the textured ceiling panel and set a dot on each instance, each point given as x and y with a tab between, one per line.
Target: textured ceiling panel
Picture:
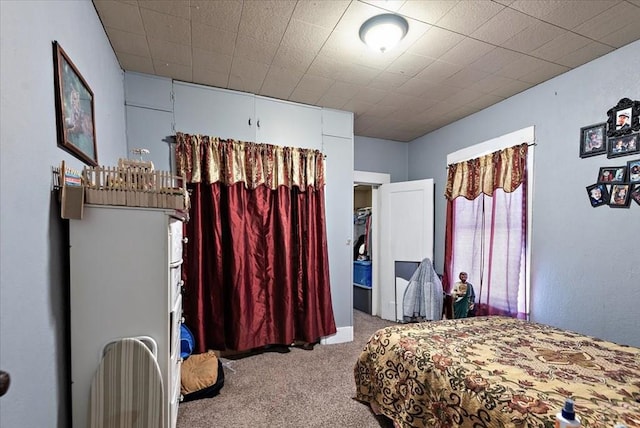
457	58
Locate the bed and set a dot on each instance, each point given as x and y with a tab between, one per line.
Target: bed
496	372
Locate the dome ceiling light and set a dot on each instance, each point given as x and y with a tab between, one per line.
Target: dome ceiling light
383	32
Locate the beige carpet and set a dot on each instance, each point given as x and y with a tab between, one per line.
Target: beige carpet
296	389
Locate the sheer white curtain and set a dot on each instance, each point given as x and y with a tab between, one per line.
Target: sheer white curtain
489	243
486	234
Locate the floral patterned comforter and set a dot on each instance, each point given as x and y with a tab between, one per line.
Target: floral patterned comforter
496	372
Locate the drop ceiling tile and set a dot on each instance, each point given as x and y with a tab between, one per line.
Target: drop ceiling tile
325	66
381	110
175	71
505	25
354	16
463	98
247	75
141	64
168	7
356	73
438	92
304	36
413	86
343	89
467	16
570	14
466	52
435	42
305	97
587	53
491	83
322	13
496	59
294	59
135	44
438	71
543	73
211	61
409	64
387	80
333	101
609	21
265	20
486	100
370	95
403	101
427	11
164	51
533	37
120	16
557	49
222	15
255	50
314	84
357	106
212	39
520	67
385	5
210	78
280	83
166	27
622	35
511	88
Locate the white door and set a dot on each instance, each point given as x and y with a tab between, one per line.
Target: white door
406	233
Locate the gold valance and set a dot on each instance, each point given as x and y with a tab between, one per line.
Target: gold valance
504	169
210	159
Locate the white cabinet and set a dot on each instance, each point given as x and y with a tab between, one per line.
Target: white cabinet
214	112
284	123
245	117
125	281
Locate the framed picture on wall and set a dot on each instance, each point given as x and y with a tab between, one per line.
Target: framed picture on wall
612	174
635	193
593	140
622	146
633	169
620	195
598	195
75	116
623	118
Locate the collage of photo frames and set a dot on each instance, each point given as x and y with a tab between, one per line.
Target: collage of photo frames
616	186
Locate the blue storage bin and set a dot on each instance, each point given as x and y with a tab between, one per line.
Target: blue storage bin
362	273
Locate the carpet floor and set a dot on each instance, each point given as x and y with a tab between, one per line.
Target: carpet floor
299	388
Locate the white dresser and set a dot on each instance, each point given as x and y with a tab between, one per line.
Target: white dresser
125	266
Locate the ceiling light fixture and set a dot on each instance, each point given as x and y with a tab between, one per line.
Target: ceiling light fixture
383	32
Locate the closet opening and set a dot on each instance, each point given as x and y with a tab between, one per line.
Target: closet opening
363	251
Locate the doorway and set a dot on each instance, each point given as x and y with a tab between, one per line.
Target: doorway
366	193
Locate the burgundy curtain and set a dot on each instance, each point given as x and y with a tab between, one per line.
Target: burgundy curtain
486	229
256	264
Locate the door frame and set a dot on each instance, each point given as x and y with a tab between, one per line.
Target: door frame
373	179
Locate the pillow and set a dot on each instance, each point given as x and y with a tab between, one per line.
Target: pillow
201	376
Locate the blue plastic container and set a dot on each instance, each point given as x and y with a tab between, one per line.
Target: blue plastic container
362	273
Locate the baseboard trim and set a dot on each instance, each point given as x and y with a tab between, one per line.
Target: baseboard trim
344	334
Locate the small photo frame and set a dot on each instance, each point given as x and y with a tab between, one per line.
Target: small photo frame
620	195
635	193
623	118
593	140
598	195
612	174
633	170
622	146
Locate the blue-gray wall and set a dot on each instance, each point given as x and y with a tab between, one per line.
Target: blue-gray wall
383	156
585	271
33	278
